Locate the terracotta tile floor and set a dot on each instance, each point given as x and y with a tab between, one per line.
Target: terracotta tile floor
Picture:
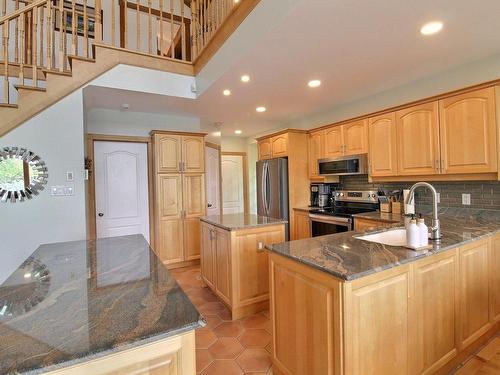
485	362
226	347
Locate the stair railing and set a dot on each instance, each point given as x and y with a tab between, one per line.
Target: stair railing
41	36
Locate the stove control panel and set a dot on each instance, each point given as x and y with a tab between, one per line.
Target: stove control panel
356	196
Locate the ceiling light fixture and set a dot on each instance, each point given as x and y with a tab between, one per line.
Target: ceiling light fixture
431	28
226	92
238	132
260	109
314	83
245	78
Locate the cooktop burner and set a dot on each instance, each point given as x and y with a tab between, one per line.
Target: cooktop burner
341	211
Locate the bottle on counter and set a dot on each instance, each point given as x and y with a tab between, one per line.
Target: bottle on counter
413	234
423	231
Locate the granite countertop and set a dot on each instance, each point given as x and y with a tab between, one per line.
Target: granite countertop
76	301
387	217
346	257
241	221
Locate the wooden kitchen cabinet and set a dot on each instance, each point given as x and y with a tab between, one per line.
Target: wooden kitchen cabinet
234	264
495	279
179	196
264	148
302	224
383	159
279	145
316	152
363	225
435	311
418	140
474	296
468	133
355	135
334	142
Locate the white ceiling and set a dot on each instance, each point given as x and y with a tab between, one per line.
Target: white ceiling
357	48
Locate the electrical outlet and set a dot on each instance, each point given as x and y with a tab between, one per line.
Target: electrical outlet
466	199
439	197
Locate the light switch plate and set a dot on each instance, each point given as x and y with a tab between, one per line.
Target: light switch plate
466	199
62	191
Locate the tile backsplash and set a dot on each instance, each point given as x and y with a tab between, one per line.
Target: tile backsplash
484	194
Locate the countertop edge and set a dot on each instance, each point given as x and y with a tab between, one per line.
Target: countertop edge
232	229
117	349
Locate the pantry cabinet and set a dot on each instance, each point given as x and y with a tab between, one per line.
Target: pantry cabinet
179	193
383	160
417	134
468	133
316	151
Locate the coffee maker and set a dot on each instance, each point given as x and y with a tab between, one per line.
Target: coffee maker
321	195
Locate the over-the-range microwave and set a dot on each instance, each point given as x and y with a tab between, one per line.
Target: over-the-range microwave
343	166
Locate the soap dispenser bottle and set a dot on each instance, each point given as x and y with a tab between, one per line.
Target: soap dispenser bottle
423	231
413	234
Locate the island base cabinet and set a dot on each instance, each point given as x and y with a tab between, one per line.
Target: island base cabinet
425	317
234	264
171	356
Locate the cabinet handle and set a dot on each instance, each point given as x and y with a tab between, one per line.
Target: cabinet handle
180	166
437	165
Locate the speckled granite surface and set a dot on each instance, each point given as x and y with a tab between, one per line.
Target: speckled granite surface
348	258
75	301
240	221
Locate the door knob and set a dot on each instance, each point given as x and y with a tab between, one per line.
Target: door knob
100	214
209	205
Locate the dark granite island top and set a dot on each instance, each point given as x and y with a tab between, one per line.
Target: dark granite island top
76	301
347	257
241	221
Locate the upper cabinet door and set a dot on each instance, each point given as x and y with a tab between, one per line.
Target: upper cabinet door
194	194
334	142
468	132
418	140
316	151
383	147
168	153
355	137
264	149
193	154
279	145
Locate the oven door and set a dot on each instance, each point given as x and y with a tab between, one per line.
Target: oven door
321	225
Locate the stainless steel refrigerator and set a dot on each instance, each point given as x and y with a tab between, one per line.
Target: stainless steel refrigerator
272	189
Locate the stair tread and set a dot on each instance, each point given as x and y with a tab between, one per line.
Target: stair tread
30	88
8	105
75	57
58	72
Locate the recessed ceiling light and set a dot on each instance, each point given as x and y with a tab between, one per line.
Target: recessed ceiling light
245	78
238	132
314	83
431	28
125	106
216	134
226	92
260	109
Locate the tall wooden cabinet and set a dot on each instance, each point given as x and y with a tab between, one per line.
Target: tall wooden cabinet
179	195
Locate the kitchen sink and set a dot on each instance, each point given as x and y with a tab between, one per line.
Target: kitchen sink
392	237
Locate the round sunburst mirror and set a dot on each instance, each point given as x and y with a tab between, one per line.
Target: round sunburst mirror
22	174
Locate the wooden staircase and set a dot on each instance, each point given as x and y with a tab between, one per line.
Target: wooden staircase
44	63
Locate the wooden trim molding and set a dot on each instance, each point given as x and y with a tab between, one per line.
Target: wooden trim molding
218	147
212	145
284	131
153	132
90	139
246	202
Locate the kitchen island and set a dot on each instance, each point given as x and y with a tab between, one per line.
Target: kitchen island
234	263
355	307
96	307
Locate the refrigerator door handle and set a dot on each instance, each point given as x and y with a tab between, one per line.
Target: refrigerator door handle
268	183
264	187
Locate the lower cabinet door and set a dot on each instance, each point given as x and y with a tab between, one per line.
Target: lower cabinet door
207	255
192	241
474	291
377	337
223	265
302	225
171	241
435	303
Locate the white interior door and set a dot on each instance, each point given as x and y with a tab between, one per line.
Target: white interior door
121	189
232	184
212	170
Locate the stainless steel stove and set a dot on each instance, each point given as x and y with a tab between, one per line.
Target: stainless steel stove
339	217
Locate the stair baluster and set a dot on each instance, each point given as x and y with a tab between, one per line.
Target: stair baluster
5	43
34	61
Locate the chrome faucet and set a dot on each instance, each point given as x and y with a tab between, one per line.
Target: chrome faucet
436	227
